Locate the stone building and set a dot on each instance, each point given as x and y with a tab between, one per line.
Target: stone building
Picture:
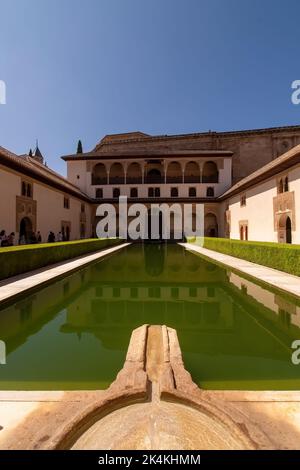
35	198
248	182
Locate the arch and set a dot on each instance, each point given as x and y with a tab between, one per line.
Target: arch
99	193
286	184
288	230
134	173
174	192
192	192
99	174
116	174
192	173
241	232
174	173
210	192
285	229
25	230
116	192
210	225
134	192
154	172
210	173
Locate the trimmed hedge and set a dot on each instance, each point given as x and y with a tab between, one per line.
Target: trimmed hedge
20	259
282	256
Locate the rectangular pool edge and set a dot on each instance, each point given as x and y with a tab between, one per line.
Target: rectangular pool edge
31	280
240	270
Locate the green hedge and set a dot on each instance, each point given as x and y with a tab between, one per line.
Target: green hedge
19	259
284	257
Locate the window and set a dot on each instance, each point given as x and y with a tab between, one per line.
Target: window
153	192
192	192
210	192
286	184
99	193
243	200
133	192
82	208
78	177
174	192
66	203
26	189
23	192
116	192
244	231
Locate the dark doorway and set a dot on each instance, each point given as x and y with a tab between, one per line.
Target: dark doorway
288	230
25	229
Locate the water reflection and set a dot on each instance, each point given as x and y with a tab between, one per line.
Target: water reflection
233	332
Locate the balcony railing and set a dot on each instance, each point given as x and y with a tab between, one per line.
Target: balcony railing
96	180
134	180
174	179
210	179
100	181
154	179
192	179
116	180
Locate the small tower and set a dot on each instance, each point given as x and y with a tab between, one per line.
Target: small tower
38	154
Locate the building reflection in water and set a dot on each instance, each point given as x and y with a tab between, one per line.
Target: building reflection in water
225	322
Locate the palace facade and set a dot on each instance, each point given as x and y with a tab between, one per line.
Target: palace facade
248	181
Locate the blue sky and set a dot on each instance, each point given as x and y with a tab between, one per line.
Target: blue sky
82	69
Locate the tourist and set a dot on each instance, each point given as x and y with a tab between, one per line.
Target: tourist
33	238
39	237
59	237
11	239
3	238
51	237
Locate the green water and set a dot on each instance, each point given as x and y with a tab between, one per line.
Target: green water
74	333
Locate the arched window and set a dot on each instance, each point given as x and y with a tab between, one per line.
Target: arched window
174	173
280	186
192	192
210	192
23	188
174	192
192	173
286	184
210	173
133	192
116	192
134	174
99	174
99	193
116	174
241	232
28	192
